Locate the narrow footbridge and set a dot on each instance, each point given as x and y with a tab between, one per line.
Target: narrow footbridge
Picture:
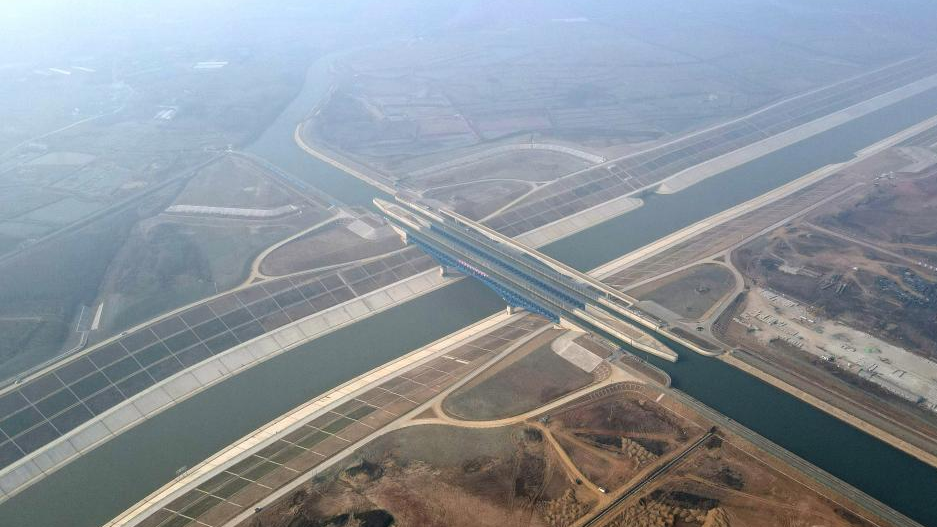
522	276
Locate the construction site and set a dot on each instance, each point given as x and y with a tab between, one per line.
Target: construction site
853	284
280	235
629	454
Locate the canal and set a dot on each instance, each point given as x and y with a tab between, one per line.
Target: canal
98	486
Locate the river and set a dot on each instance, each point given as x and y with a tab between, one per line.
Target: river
98	486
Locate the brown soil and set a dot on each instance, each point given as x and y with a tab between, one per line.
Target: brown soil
605	464
840	280
532	376
690	293
447	476
722	485
235	182
901	212
331	245
440	476
614	439
629	416
477	200
725	482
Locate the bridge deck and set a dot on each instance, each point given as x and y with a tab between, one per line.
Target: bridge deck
519	275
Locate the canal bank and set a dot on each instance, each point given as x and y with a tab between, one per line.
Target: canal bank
97	487
663	214
278	146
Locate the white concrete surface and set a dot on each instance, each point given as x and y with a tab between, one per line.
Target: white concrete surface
32	468
922	158
498	150
895	369
720	164
546	234
626	333
294	419
96	322
367	232
580	357
232	212
703	225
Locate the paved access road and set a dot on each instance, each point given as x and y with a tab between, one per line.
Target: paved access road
637	172
269	462
56	401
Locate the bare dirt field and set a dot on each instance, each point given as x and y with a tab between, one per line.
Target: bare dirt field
604	87
690	293
856	278
330	245
524	165
559	470
169	262
613	440
532	376
841	301
721	485
723	482
477	200
899	213
234	182
438	476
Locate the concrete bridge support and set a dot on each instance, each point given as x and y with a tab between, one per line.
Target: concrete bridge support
448	272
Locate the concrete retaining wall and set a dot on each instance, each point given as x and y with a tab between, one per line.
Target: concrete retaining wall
710	168
32	468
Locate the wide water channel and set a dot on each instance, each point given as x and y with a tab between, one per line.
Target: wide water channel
98	486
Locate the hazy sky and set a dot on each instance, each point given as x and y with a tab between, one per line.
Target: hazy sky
37	29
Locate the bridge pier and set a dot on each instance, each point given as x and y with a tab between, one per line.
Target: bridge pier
446	271
522	277
404	236
567	325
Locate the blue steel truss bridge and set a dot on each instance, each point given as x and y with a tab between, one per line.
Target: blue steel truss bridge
520	275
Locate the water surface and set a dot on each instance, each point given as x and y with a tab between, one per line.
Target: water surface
100	485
